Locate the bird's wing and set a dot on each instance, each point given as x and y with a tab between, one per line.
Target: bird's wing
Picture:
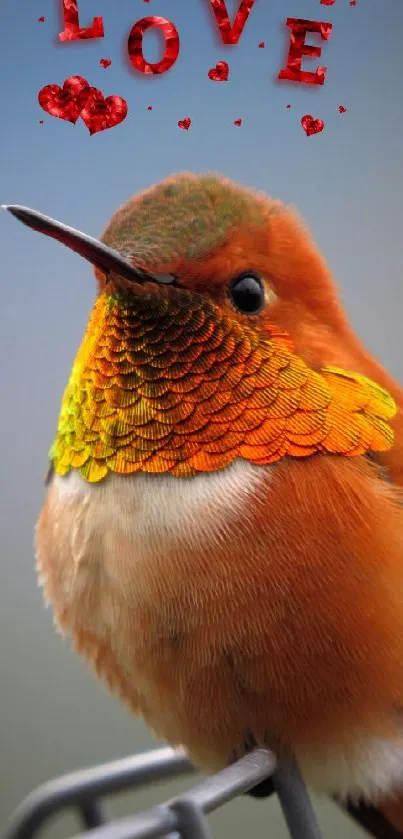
367	407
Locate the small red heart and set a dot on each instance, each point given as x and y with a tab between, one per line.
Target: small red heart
105	62
41	19
185	123
261	45
237	122
325	31
149	107
99	113
342	109
288	106
220	72
311	125
66	102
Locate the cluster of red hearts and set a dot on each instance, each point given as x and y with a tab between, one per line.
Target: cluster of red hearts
220	73
309	124
77	99
186	123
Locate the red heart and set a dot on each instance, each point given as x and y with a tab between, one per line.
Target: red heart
105	62
342	109
325	31
237	122
311	125
220	72
67	102
185	123
99	113
261	45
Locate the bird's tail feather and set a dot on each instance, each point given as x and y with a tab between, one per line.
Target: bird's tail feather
375	822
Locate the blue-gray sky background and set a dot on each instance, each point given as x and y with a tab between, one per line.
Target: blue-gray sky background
347	183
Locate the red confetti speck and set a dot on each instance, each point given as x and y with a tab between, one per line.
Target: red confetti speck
353	2
220	72
342	109
185	123
311	125
41	19
262	45
105	62
149	107
146	1
327	2
67	102
238	121
288	106
99	113
135	45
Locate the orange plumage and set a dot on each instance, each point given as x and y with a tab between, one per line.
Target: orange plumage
223	531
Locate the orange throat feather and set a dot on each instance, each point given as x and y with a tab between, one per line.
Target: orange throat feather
164	382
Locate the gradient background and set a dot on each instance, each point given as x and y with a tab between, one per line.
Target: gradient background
347	183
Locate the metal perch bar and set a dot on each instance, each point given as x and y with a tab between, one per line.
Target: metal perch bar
185	814
92	814
87	785
295	803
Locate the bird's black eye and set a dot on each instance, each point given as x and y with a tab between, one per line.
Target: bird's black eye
247	293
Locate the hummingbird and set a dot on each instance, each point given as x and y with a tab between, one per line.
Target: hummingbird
222	532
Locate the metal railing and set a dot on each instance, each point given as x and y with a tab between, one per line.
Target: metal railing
84	791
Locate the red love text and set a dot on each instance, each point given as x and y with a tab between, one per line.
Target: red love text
298	49
231	34
135	45
72	30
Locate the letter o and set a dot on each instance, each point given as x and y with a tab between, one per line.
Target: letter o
135	45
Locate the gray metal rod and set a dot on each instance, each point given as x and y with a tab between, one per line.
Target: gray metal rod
150	824
87	784
92	814
295	803
193	822
238	778
206	796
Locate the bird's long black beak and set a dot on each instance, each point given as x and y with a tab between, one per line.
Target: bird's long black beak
103	257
